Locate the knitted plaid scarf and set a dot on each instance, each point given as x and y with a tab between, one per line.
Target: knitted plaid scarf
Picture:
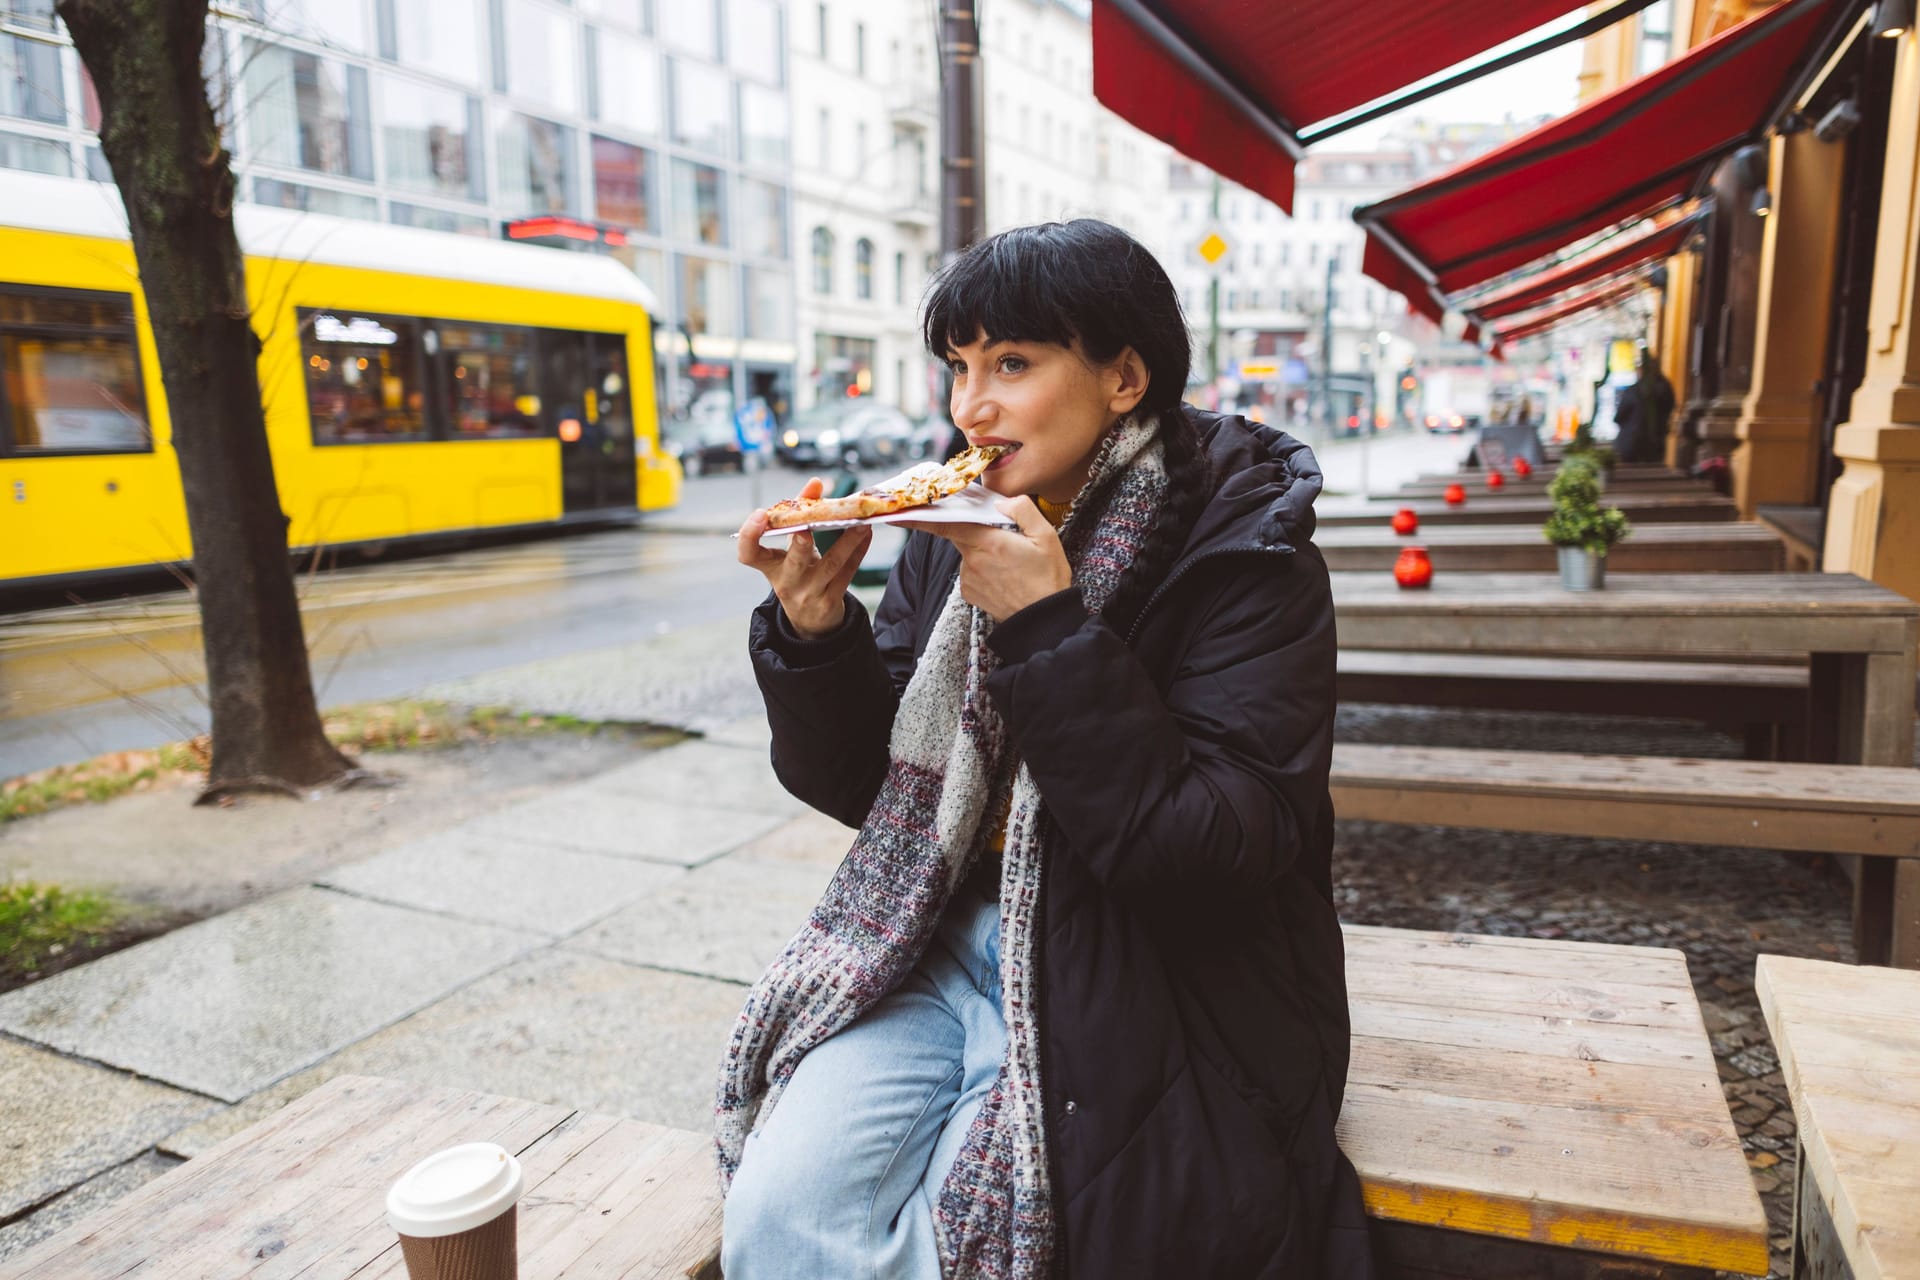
949	764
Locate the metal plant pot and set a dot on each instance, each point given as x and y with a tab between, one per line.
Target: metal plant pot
1582	570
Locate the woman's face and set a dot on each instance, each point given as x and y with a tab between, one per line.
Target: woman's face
1046	400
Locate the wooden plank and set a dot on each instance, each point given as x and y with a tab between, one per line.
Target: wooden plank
1849	1045
1728	547
1480	509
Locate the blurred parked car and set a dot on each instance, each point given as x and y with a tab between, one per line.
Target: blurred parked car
703	444
858	433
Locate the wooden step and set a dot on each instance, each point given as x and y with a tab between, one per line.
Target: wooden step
1821	808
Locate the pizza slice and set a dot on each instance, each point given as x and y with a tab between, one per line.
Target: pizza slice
918	487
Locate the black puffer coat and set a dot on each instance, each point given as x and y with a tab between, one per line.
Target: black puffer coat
1193	997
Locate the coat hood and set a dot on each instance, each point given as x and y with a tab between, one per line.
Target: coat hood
1265	483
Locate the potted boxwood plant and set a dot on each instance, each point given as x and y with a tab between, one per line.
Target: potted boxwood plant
1584	448
1580	527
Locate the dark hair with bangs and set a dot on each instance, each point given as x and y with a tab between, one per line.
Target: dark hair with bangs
1083	281
1089	282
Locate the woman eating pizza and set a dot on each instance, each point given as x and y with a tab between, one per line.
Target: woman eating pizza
1074	1004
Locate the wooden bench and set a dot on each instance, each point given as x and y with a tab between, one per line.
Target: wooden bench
1483	508
1825	808
1723	546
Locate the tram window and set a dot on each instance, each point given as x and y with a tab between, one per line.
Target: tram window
70	374
364	377
490	381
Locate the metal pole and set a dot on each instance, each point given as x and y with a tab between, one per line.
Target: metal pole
1366	427
1326	354
1213	303
962	173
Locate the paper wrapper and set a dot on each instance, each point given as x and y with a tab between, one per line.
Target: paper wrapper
975	504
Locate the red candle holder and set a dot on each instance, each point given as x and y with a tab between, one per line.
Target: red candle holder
1413	570
1405	521
1522	468
1495	479
1455	494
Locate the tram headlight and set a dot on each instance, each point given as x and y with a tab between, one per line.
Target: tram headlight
791	439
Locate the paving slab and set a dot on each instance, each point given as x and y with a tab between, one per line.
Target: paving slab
728	919
477	874
709	774
592	820
229	1005
95	1193
747	731
558	1027
66	1121
813	839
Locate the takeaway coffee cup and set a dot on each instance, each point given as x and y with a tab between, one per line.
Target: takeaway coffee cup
455	1214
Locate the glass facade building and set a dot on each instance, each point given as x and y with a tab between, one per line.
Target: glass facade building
665	121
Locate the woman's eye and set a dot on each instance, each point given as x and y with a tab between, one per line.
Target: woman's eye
1012	364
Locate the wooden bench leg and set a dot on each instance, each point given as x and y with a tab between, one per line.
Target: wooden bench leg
1816	1249
1406	1251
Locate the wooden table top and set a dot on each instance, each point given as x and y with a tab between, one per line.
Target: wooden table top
1561	1092
1529	486
303	1193
1484	508
1650	613
1849	1044
1729	546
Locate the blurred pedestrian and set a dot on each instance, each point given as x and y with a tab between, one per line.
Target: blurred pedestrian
1656	398
1075	1001
1630	424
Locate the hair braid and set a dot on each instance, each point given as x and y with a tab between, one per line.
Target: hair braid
1188	489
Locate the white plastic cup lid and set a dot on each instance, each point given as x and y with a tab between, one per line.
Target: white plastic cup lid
454	1190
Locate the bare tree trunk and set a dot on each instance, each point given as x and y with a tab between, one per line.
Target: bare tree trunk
158	131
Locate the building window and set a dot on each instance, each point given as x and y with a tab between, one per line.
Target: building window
863	268
822	260
542	48
626	83
823	142
489	378
860	157
39	155
763	127
860	49
699	203
690	26
820	41
29	13
536	164
295	195
702	98
899	278
623	182
366	381
70	367
706	296
754	40
31	87
763	219
769	305
413	215
440	37
307	112
431	139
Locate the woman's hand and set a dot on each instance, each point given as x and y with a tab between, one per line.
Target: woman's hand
811	588
1002	571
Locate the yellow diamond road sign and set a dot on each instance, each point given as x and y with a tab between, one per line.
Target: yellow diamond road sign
1213	248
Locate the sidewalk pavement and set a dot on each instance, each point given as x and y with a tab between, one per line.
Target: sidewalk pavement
587	947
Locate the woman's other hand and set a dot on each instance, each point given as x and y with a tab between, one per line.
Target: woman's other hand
1002	571
811	588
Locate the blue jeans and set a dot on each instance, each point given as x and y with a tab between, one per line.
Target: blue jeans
841	1179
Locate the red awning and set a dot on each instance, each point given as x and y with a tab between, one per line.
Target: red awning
1642	146
1538	322
1231	84
1649	242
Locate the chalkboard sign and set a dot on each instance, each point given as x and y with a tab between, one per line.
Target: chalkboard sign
1500	445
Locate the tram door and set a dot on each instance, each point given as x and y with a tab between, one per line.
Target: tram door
590	403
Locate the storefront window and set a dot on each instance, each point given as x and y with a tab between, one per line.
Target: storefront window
294	195
542	57
702	98
763	127
699	203
440	37
536	164
763	219
35	155
490	382
688	25
30	83
307	112
841	363
432	139
822	260
755	39
623	182
649	264
769	304
365	379
413	215
626	82
706	296
71	375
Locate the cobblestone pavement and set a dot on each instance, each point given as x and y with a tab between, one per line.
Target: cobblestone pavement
1721	907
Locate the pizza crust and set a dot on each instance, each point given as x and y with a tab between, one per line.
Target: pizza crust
922	486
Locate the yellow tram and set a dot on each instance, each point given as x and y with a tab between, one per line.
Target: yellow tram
416	384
